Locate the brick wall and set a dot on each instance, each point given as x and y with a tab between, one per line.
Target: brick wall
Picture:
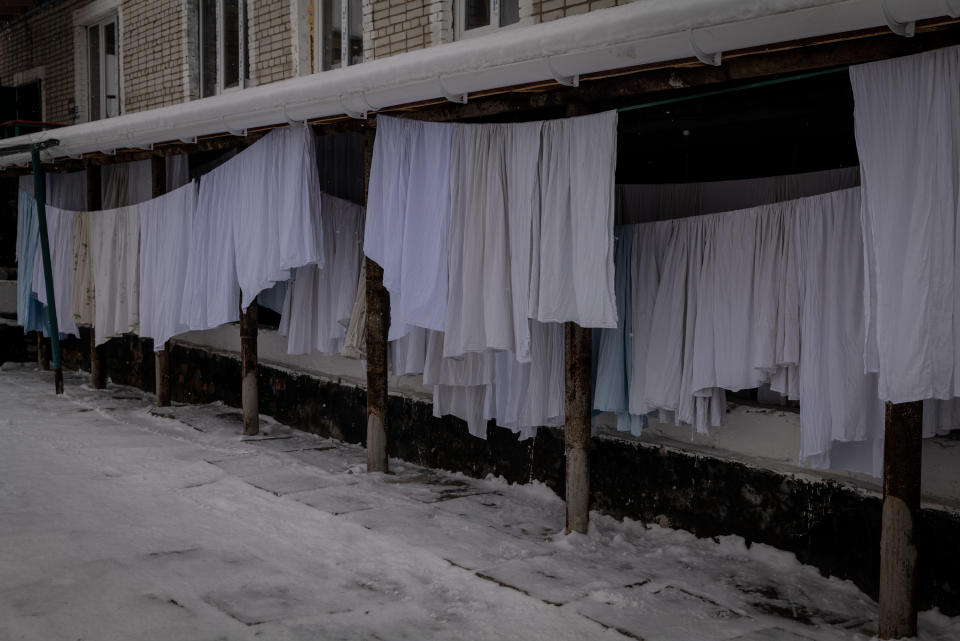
270	40
396	26
152	54
43	39
547	10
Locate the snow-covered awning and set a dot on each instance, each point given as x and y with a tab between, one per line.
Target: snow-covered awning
640	33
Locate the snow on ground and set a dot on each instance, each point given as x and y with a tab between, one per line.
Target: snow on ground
124	521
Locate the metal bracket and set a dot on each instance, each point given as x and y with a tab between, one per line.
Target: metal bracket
460	99
356	115
711	59
569	81
189	141
109	152
905	29
291	121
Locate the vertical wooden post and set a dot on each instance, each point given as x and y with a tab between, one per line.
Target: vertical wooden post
576	429
98	369
158	166
902	464
248	360
43	353
378	322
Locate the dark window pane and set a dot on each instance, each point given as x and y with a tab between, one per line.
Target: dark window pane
476	13
208	48
356	31
93	65
231	43
331	33
509	12
111	71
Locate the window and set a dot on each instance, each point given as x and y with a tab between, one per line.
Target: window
222	46
332	47
477	17
103	69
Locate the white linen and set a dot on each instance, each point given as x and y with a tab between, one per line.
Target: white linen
906	114
115	253
494	201
60	237
408	213
165	237
319	301
575	275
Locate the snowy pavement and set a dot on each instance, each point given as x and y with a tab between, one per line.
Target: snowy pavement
122	521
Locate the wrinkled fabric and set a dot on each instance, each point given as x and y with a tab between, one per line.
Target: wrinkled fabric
408	214
126	183
319	301
115	249
165	226
906	113
60	237
355	341
31	315
575	276
64	191
494	200
83	291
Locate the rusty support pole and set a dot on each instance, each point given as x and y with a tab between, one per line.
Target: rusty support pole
902	464
248	360
378	322
43	352
98	369
576	429
158	166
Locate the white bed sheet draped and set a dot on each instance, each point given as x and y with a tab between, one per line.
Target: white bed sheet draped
907	112
166	223
115	255
60	236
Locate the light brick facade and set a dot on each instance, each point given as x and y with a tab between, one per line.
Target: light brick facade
397	26
41	43
153	57
547	10
270	40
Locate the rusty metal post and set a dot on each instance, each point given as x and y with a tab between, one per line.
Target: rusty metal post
378	322
576	429
248	360
43	353
902	464
98	360
158	166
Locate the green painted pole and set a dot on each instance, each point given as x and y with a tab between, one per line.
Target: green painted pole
39	192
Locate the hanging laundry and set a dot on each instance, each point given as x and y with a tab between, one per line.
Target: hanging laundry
64	191
841	415
31	315
355	341
273	297
115	250
408	213
127	183
165	226
60	237
82	292
906	113
320	300
494	208
575	274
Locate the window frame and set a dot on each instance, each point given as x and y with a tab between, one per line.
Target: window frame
319	30
102	96
243	70
460	12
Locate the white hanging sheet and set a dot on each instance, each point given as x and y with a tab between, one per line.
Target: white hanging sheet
408	214
82	293
724	301
126	183
906	114
64	191
60	235
575	276
494	198
115	253
319	301
166	224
